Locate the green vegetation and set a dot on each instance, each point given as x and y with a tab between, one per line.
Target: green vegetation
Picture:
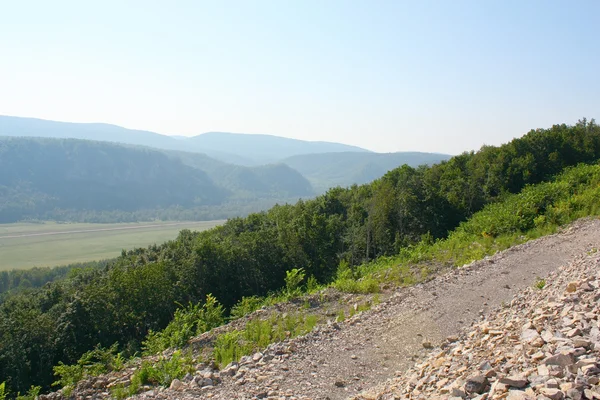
398	229
38	245
258	334
105	182
187	322
92	363
538	210
160	372
328	170
539	283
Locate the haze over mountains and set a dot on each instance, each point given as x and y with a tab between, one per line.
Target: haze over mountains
106	173
235	148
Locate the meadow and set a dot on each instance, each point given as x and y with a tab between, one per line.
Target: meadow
28	245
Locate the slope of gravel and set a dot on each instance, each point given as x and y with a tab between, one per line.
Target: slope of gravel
545	344
341	360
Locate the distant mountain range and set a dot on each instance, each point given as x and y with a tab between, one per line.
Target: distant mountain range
234	148
48	178
48	167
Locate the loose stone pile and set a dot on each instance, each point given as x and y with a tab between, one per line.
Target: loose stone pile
545	344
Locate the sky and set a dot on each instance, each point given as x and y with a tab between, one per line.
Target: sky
440	76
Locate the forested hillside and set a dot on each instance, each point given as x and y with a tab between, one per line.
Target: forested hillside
69	179
328	170
141	290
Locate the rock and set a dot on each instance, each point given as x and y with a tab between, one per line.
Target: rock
529	335
176	384
571	287
476	384
553	394
514	381
562	360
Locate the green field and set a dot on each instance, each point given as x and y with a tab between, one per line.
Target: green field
27	245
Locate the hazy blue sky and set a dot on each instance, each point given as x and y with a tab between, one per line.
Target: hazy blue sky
442	76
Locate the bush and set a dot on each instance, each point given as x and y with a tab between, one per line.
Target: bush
187	323
246	306
3	391
227	348
293	279
258	334
92	363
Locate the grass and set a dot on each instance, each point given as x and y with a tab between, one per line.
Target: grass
258	334
28	245
537	211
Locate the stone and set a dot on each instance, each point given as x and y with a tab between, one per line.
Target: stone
529	335
559	359
514	381
571	287
552	394
176	384
476	384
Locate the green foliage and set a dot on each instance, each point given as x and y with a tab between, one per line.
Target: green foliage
93	363
350	281
395	229
258	334
539	283
312	285
187	322
293	279
32	394
245	306
227	348
160	372
3	391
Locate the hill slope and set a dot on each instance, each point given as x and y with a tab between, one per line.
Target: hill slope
353	239
41	177
328	170
266	148
241	149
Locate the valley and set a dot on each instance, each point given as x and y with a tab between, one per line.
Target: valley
28	245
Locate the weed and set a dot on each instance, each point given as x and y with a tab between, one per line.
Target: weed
539	283
3	391
341	316
258	334
246	306
293	279
92	363
187	322
32	394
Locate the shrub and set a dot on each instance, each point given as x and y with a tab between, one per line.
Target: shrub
3	391
32	394
293	279
258	334
539	283
227	348
246	306
92	363
187	322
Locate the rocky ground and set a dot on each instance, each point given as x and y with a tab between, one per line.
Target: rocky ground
352	359
544	344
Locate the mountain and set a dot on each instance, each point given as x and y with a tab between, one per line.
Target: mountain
266	180
48	178
344	169
233	148
266	148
